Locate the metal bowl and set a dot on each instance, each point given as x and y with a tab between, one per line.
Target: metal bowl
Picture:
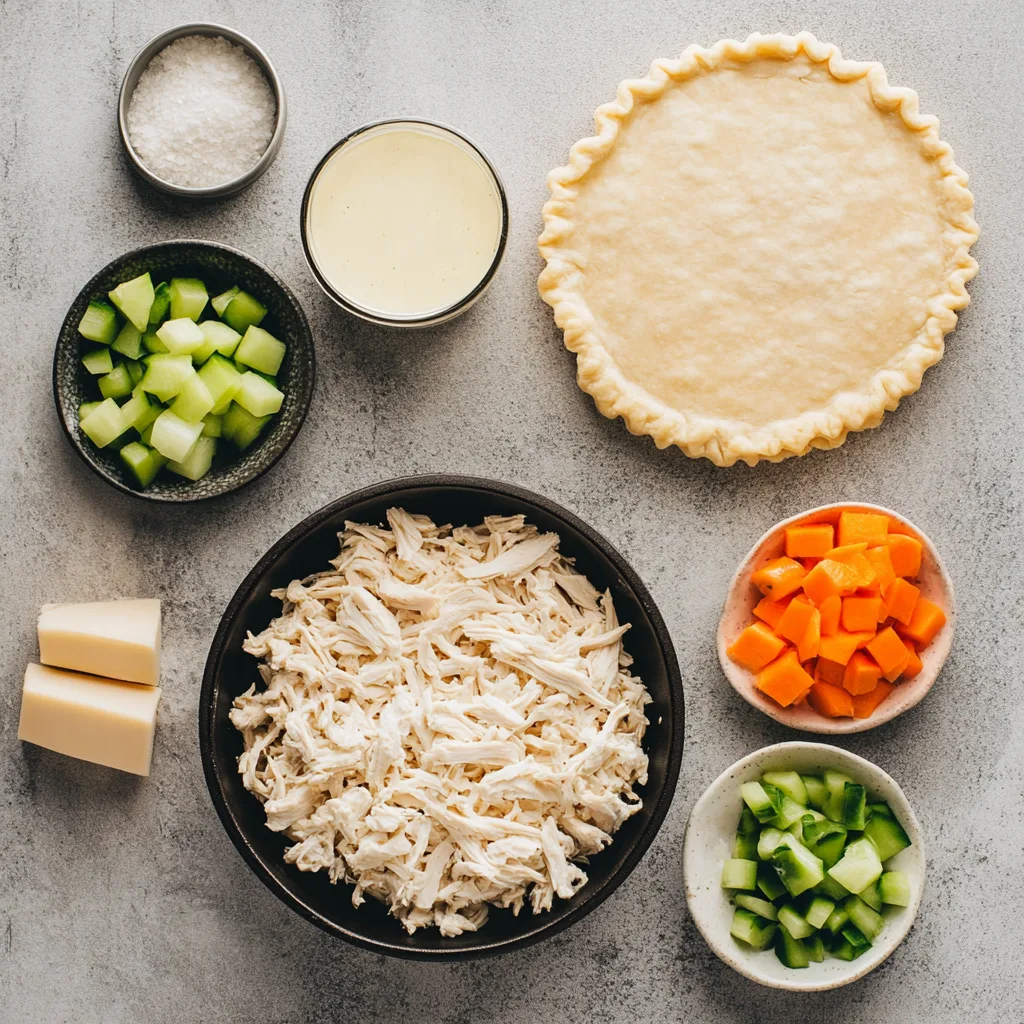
131	80
230	671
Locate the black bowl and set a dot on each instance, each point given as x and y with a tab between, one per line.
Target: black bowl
220	267
307	549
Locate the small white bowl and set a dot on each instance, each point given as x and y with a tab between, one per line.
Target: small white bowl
935	584
708	844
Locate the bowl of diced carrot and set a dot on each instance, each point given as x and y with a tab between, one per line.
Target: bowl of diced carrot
839	619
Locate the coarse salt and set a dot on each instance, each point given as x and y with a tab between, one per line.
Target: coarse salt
203	112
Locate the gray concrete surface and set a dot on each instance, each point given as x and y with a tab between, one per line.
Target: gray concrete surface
122	900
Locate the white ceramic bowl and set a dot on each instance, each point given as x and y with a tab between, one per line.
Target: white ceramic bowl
935	585
708	844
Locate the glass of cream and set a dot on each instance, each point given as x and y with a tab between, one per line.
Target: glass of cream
404	223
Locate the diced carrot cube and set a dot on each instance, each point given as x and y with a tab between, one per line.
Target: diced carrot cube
862	526
779	577
890	653
914	664
784	680
905	553
865	704
770	611
811	540
801	624
839	647
831	610
881	562
830	701
829	579
861	675
863	639
860	613
826	671
926	621
901	600
846	552
755	647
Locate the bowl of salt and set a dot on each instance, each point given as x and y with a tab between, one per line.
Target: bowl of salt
201	111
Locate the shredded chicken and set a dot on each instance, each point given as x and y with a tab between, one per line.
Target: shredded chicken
447	721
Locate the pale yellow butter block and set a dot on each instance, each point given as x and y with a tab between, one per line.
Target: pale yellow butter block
117	639
105	721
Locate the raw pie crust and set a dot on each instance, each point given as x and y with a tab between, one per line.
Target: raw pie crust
760	250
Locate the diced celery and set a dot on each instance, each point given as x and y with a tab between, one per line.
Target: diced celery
104	424
198	461
117	383
128	341
194	400
790	783
151	343
135	370
858	867
751	929
793	922
98	361
161	303
211	425
188	297
217	337
173	437
165	375
223	380
135	299
241	427
143	462
258	397
757	906
739	874
85	408
243	311
181	336
894	888
98	323
220	302
260	350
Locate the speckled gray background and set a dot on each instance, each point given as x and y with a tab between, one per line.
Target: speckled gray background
122	900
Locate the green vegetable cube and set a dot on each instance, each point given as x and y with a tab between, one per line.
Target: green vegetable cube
871	896
135	299
817	793
135	370
143	463
223	381
173	437
194	400
739	874
138	411
260	350
790	813
241	427
85	408
835	783
887	834
768	882
198	461
257	396
211	425
894	888
858	867
161	303
104	424
757	906
188	297
770	839
818	911
98	323
129	341
165	375
793	922
835	921
790	783
117	383
220	302
217	337
792	952
744	847
797	867
751	929
151	343
815	948
181	336
98	361
243	311
854	806
759	800
869	921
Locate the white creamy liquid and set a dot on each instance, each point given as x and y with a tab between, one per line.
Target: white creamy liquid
404	222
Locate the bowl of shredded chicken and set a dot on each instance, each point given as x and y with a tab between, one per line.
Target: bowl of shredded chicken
445	722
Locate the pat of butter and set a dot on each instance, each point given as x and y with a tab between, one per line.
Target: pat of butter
117	639
100	720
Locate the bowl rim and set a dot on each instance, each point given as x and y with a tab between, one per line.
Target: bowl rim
907	818
430	318
138	65
546	927
742	681
169	499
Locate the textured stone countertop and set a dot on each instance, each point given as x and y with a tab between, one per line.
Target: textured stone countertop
122	899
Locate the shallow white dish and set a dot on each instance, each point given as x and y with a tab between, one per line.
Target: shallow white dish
935	584
708	844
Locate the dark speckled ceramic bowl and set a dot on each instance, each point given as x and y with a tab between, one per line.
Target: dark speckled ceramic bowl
220	267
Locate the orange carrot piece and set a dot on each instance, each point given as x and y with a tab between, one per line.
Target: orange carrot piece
826	671
926	621
809	563
865	704
914	664
860	613
831	610
881	562
811	540
862	526
801	624
784	680
770	611
890	653
755	647
830	701
846	551
829	579
840	646
861	675
905	553
779	577
901	600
